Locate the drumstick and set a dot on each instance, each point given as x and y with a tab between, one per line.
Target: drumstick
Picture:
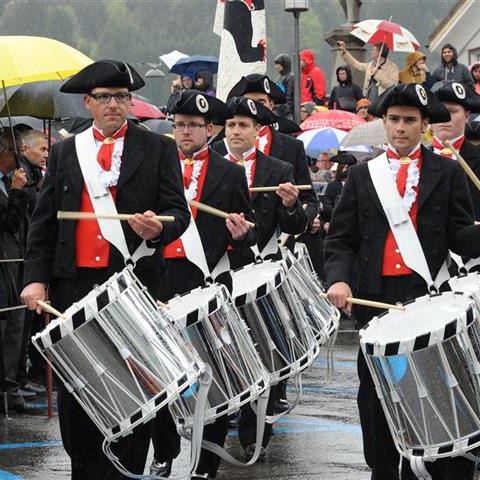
369	303
214	211
163	305
11	260
62	215
48	308
274	189
463	164
286	236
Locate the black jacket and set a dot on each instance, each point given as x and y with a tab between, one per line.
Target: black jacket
471	154
291	151
356	237
270	214
345	95
150	179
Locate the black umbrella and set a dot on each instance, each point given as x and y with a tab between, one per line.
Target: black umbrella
43	100
159	125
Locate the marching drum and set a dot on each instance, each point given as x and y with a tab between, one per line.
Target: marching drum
269	305
425	365
469	284
119	355
322	316
214	328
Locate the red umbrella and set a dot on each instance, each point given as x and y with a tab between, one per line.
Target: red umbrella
143	109
332	118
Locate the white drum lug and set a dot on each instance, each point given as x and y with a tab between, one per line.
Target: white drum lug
422	392
395	396
451	381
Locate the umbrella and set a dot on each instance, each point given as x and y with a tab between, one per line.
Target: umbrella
321	140
43	100
332	118
142	109
194	64
370	133
31	59
397	38
33	123
159	125
170	59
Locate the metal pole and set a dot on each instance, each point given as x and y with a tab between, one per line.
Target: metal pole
296	71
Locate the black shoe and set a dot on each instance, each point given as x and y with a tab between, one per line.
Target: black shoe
27	395
34	387
161	469
250	450
281	405
200	476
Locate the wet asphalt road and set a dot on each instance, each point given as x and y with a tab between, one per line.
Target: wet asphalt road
320	439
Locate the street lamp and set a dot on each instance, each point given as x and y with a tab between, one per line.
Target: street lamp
296	7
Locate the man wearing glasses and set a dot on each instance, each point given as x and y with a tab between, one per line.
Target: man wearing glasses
141	172
210	179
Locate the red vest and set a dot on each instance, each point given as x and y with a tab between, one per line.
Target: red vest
175	249
393	264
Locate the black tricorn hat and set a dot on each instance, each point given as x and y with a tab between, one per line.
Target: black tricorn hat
258	83
104	73
194	102
287	126
250	108
411	95
344	158
461	93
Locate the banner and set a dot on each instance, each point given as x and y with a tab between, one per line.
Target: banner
243	47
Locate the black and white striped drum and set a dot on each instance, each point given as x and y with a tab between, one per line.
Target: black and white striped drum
213	326
469	284
120	356
322	316
425	365
267	301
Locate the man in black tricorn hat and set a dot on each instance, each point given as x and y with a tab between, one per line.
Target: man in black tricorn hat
129	170
211	180
460	100
363	257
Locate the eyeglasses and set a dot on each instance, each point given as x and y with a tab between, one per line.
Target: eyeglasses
188	126
105	98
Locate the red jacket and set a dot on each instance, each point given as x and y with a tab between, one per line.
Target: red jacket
312	79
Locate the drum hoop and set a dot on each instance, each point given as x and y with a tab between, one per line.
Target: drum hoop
420	342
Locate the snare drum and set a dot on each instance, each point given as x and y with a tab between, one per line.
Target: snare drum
469	284
214	328
425	365
119	355
322	316
272	310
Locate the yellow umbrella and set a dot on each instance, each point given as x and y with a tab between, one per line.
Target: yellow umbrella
32	59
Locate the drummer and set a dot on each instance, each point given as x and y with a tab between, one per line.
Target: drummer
211	180
141	172
460	100
274	211
363	258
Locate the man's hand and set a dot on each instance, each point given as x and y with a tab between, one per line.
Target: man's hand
338	293
341	45
33	292
325	226
19	179
237	226
315	225
288	193
145	226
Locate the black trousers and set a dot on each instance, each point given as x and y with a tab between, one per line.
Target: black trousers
378	446
180	277
81	438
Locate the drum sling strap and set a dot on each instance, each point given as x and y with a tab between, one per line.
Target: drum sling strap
112	231
401	223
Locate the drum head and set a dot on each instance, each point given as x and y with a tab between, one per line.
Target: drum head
466	283
255	278
204	297
425	320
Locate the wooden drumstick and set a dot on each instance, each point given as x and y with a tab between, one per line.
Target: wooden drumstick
214	211
163	305
286	236
48	308
62	215
274	189
463	164
369	303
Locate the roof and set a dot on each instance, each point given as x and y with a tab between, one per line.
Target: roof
451	19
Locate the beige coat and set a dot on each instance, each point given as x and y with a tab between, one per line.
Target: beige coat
385	76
